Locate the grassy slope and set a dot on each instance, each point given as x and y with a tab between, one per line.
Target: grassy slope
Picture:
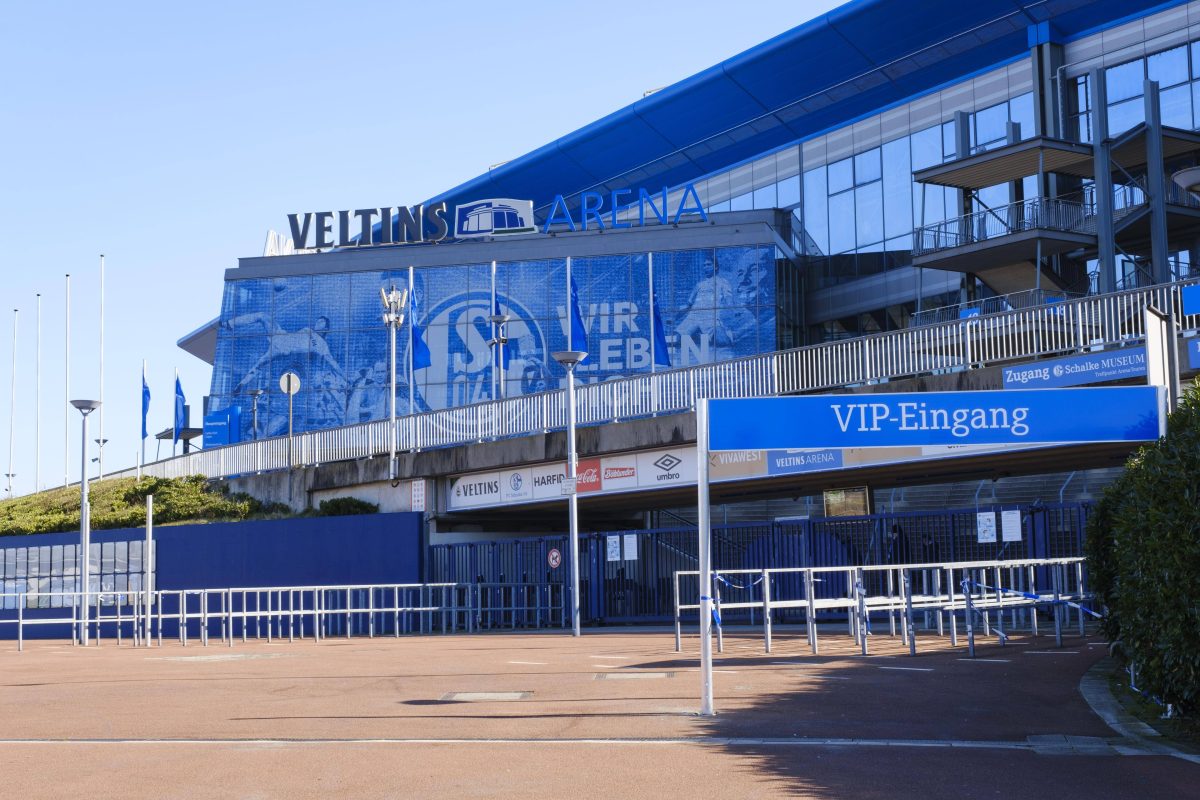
121	503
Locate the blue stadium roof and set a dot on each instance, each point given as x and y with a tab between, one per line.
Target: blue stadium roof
853	61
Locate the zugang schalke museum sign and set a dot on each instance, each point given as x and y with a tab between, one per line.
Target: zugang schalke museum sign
498	216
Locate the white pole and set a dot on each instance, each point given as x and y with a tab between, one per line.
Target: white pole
147	567
37	403
85	533
100	435
12	404
412	320
495	343
67	385
653	333
141	436
572	498
704	527
392	321
175	421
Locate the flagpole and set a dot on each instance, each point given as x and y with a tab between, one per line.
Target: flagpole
653	337
142	430
175	414
67	387
100	454
12	406
412	320
495	342
37	402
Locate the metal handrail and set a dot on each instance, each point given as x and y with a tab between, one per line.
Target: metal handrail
1037	213
292	612
1065	327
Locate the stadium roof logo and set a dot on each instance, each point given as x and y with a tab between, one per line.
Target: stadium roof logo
494	217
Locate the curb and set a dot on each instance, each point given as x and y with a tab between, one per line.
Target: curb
1140	738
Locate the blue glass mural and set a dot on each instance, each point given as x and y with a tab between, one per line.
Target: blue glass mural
715	305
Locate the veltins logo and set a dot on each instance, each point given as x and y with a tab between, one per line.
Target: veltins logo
498	216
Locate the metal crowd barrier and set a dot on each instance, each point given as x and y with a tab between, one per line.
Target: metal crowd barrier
291	612
1071	326
982	592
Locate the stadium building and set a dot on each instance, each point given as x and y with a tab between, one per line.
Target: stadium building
874	171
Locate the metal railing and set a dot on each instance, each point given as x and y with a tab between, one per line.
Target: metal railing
1038	213
290	612
1070	326
982	592
1030	298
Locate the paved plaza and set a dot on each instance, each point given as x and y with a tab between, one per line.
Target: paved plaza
546	715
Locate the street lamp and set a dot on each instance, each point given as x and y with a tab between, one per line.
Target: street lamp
394	303
99	459
500	321
255	394
85	517
569	359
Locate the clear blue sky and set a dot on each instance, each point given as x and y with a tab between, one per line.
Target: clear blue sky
171	138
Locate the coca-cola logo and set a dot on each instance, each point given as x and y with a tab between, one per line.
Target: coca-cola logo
589	476
612	473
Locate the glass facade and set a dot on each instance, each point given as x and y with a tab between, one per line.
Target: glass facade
114	567
1177	71
715	304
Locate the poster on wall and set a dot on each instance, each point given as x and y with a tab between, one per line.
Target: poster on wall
1010	525
631	547
985	527
614	547
847	502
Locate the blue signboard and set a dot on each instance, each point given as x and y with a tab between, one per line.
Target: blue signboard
1129	362
1021	417
1191	299
222	427
1193	349
788	462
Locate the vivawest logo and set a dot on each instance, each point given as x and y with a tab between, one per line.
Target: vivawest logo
499	216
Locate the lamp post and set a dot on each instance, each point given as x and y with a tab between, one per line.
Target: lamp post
99	459
255	394
569	359
85	516
394	302
500	321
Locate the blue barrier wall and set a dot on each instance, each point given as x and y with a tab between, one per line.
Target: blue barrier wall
372	548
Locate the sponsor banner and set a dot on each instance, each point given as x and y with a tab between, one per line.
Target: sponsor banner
618	472
516	485
470	491
1193	349
673	467
786	462
735	464
1013	417
587	476
1110	365
548	480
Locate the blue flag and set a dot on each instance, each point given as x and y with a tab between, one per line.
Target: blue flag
180	410
506	348
421	357
145	401
662	356
577	340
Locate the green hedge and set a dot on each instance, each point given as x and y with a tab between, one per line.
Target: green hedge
1143	550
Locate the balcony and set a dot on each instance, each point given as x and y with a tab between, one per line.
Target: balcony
1001	244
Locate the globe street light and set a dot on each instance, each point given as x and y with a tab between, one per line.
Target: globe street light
85	517
569	359
394	303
